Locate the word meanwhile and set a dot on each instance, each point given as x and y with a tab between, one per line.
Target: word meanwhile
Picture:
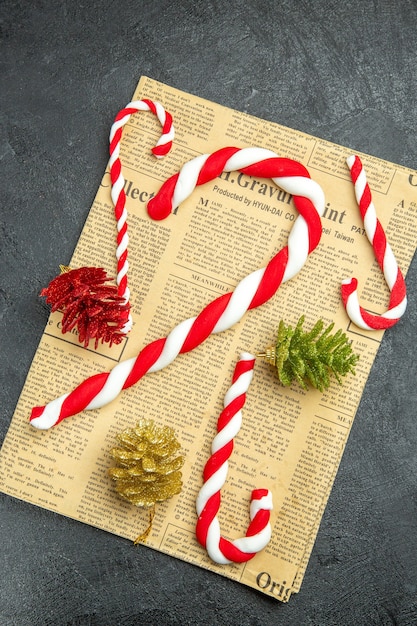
210	282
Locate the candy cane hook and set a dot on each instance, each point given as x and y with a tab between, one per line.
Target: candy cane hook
286	173
118	194
384	256
223	312
258	534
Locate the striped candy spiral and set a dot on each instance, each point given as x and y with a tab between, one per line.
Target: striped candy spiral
223	312
384	256
258	534
118	195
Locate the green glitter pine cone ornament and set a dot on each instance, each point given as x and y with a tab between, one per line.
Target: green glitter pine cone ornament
311	357
147	469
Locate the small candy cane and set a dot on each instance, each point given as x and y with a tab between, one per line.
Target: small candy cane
384	256
118	195
258	534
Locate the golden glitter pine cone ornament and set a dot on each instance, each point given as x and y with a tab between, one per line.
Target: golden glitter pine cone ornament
147	469
311	357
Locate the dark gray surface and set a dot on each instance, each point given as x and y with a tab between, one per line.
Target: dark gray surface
345	71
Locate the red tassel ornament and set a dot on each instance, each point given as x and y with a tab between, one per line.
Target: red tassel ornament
88	304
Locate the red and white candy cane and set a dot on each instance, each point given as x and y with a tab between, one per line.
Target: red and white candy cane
258	534
118	195
384	256
223	312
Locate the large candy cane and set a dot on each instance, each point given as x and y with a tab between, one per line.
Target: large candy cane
117	192
258	534
221	314
384	256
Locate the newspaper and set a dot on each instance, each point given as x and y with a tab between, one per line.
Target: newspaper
291	440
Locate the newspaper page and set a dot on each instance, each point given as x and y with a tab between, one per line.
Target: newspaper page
291	440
